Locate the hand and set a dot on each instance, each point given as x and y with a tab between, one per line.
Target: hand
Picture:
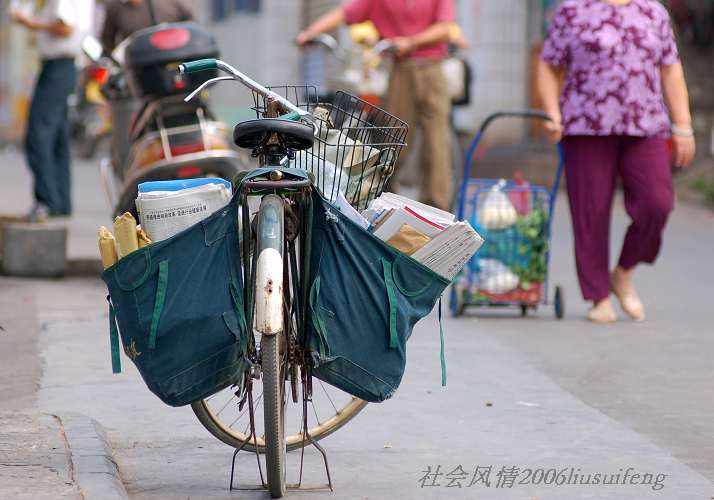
20	17
304	37
461	43
403	46
553	129
683	150
27	21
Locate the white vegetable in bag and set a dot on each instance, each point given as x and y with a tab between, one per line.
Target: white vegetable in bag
497	211
454	71
495	277
331	180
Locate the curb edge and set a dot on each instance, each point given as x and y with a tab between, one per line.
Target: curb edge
94	469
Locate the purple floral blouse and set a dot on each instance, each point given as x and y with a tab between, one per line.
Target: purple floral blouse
612	55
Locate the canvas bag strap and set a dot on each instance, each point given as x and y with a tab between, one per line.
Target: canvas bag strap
240	313
317	321
159	301
393	337
392	297
114	338
442	354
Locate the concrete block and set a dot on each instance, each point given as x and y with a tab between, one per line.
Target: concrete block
34	250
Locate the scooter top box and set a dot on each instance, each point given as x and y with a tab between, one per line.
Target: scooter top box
153	56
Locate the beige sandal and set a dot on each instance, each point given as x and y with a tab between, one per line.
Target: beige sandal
629	301
602	313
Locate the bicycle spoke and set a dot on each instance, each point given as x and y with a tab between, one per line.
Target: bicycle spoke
256	405
314	410
225	406
328	396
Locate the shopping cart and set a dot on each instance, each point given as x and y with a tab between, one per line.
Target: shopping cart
514	218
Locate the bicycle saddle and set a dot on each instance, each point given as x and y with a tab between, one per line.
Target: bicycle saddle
255	133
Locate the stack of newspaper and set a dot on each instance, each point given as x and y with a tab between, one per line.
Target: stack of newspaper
168	207
431	236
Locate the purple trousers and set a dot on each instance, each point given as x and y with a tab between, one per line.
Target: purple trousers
592	164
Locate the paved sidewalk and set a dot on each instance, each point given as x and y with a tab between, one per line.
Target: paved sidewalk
48	457
531	422
53	456
34	460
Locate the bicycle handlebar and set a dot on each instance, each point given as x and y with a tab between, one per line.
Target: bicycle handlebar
331	43
199	65
294	112
338	50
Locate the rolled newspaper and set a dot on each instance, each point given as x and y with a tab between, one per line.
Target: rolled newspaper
126	235
107	247
144	240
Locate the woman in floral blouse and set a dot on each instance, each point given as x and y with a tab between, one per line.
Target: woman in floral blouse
621	75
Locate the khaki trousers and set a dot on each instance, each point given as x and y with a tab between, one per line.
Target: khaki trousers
418	95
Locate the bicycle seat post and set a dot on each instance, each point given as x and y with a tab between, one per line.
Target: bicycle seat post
273	151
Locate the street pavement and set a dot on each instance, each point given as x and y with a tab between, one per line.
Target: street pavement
526	393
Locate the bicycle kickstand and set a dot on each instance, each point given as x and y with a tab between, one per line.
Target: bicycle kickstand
254	437
306	434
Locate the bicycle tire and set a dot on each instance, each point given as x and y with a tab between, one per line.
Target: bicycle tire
273	414
270	322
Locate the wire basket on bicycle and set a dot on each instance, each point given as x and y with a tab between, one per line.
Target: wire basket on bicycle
356	145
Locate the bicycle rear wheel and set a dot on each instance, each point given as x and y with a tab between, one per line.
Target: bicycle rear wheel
270	322
273	364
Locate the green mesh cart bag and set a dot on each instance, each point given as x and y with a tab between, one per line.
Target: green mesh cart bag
364	300
178	304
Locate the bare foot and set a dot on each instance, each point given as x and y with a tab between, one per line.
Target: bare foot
621	284
602	312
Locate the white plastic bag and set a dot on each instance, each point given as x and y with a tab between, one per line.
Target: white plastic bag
331	180
495	277
454	71
496	210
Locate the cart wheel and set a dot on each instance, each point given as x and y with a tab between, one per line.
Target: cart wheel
559	302
456	302
524	310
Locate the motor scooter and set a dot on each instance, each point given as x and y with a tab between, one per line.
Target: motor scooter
90	116
165	138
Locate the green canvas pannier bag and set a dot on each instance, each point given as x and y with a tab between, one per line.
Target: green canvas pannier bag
364	300
178	304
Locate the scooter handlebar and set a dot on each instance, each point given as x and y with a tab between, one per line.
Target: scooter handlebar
200	65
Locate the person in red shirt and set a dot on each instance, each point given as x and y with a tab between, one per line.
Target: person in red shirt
417	90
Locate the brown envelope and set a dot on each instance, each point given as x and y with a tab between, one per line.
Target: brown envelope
408	240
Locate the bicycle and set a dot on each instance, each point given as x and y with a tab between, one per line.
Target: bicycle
291	141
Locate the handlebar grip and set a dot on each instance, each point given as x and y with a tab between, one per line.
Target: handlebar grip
199	65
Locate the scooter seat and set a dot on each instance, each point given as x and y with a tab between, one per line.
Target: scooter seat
251	134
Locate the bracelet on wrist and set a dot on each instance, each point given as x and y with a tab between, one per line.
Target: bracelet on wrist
682	131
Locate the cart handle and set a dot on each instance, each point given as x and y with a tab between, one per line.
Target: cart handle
528	115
